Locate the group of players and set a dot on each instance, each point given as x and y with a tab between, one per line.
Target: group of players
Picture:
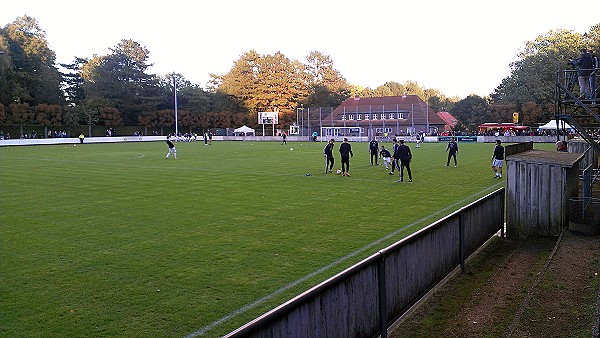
400	157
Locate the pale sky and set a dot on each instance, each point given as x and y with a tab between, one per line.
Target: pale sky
459	47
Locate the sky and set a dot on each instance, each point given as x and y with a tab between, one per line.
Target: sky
459	47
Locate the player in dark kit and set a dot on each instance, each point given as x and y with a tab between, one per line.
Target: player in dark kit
395	161
452	150
346	153
403	155
374	150
498	159
387	157
328	153
172	149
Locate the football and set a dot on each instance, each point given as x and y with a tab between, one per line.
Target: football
338	171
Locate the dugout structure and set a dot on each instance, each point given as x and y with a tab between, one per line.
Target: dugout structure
539	185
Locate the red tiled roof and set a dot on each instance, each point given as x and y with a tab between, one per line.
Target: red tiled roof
448	118
382	100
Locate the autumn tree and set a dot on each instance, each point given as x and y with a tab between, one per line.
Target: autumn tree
264	83
241	80
110	117
326	85
48	115
20	113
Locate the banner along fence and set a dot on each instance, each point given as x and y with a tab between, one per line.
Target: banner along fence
365	299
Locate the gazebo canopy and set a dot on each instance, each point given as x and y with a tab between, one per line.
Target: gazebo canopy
244	130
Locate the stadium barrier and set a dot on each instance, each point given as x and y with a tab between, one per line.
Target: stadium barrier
118	139
365	299
75	140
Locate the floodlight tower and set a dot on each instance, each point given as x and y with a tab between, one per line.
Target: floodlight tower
175	93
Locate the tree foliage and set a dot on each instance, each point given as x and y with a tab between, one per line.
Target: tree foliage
121	79
29	72
117	89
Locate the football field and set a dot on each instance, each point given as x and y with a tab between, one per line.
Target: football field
115	240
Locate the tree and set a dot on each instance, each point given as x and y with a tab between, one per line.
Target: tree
48	115
110	117
278	85
120	78
71	117
90	116
72	83
34	78
165	118
263	83
533	76
471	111
592	38
241	80
2	114
20	113
326	85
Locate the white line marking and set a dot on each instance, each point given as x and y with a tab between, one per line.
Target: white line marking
245	308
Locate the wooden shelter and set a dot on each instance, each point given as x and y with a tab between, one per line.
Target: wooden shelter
539	185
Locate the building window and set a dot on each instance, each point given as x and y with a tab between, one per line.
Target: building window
358	117
367	117
351	117
343	117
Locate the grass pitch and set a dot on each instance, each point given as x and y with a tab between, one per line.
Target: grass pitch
114	240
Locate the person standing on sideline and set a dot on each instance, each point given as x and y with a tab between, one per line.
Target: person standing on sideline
595	69
403	155
328	153
452	150
584	66
346	153
374	150
498	159
394	159
387	157
172	149
283	138
81	137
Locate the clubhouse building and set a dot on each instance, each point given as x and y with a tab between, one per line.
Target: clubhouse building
382	117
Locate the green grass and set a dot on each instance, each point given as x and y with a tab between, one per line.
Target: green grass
114	240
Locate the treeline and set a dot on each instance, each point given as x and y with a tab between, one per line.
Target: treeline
117	89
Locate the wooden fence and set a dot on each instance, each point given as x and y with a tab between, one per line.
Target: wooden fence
365	299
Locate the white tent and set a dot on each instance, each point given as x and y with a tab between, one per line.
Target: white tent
244	130
552	125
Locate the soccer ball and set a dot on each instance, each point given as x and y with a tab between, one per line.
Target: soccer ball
338	171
